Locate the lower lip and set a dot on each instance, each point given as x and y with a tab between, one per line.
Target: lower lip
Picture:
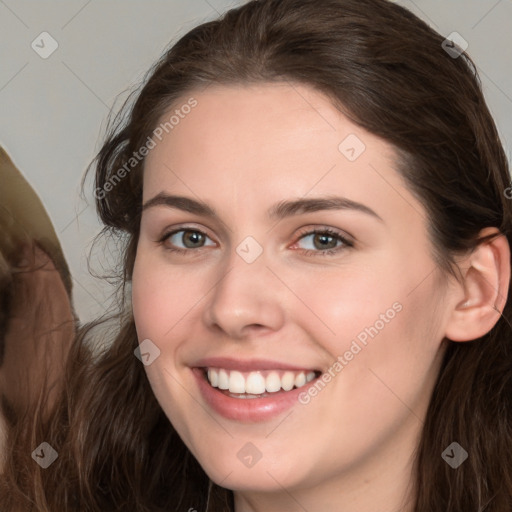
247	410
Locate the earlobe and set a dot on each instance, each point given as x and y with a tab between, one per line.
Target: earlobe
483	292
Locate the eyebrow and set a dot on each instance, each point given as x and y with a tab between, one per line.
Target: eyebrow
278	211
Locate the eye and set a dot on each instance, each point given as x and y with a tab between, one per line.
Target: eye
189	238
324	241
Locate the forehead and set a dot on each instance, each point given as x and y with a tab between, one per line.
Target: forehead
248	143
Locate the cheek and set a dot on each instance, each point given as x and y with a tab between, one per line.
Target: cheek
159	297
159	301
386	318
368	293
345	299
383	351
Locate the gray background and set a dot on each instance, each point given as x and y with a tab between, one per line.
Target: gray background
54	110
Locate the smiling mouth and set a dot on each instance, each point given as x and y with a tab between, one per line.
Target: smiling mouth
257	384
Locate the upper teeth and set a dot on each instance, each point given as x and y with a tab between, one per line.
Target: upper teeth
258	382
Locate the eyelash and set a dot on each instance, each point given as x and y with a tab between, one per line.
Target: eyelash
308	252
324	231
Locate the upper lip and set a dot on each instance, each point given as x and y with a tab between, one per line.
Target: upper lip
248	365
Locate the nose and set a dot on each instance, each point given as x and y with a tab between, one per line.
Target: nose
247	299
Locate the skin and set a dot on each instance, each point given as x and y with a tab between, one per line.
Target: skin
242	149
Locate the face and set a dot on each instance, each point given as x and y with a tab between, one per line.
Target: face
282	257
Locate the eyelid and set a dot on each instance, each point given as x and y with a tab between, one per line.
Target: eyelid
322	228
346	239
170	231
340	236
183	227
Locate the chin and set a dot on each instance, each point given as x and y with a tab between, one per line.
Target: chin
264	475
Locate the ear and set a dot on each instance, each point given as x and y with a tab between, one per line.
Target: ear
481	296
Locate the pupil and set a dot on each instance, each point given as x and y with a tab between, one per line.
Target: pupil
324	238
193	236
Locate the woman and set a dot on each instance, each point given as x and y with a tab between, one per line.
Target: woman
37	322
311	194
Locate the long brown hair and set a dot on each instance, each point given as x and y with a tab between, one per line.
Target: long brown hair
388	72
